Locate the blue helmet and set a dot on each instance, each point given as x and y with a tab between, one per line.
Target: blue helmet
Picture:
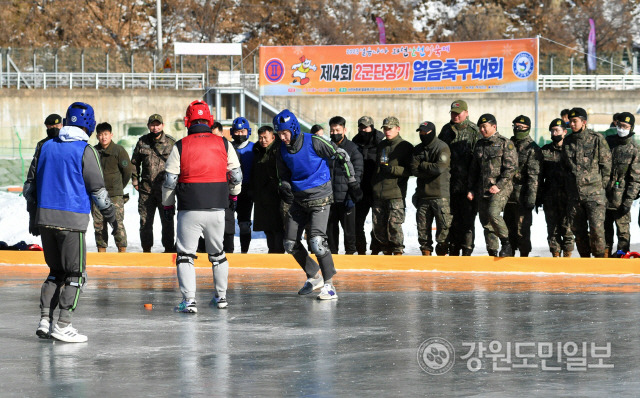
239	124
80	114
286	120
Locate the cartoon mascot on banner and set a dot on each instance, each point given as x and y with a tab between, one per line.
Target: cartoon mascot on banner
301	70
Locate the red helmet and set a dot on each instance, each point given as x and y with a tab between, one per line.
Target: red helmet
198	110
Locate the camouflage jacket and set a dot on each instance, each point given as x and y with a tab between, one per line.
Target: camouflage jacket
116	167
552	177
461	140
587	160
525	180
625	171
495	161
148	158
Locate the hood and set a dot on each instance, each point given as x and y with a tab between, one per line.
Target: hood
72	133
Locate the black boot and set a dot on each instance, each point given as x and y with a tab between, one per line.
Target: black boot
245	239
506	250
467	252
442	249
454	250
493	253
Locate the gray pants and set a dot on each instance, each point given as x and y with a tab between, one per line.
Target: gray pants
65	253
191	225
315	219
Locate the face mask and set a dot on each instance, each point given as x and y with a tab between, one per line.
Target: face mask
556	138
53	132
156	134
239	139
623	133
520	134
336	138
427	138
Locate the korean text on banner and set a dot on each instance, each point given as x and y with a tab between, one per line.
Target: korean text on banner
488	66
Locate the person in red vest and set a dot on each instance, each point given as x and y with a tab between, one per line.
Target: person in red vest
205	176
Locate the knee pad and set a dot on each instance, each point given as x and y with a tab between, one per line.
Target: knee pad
289	245
245	227
75	279
319	246
217	258
182	258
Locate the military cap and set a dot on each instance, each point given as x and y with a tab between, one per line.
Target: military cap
426	127
390	121
626	117
487	118
458	106
557	122
155	118
578	112
365	121
53	119
523	120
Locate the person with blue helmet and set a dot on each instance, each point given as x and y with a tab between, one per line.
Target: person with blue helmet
305	184
240	132
68	177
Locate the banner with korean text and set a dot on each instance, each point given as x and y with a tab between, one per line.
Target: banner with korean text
483	66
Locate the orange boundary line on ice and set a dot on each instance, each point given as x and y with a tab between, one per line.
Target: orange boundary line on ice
375	263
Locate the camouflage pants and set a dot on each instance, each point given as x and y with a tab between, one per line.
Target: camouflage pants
518	220
587	223
489	209
428	210
622	230
102	227
462	232
387	218
147	206
559	234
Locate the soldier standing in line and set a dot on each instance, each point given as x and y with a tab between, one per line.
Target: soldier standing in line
116	169
149	157
624	185
587	161
490	179
390	188
461	135
431	164
517	212
367	141
552	194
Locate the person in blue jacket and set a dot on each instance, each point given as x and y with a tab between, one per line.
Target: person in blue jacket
305	184
68	177
240	132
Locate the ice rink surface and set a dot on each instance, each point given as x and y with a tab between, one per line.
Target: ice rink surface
372	341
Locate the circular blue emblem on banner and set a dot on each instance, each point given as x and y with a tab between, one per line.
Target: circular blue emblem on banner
523	65
274	70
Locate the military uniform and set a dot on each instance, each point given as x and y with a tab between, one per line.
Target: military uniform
587	161
461	139
495	161
430	163
149	157
389	192
117	170
622	189
552	195
517	212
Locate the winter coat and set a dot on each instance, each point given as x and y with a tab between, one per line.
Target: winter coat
149	157
368	145
264	185
116	168
431	164
339	179
625	171
390	180
587	160
461	140
525	180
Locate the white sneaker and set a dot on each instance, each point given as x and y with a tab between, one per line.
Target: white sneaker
187	306
44	329
310	285
68	334
328	292
222	303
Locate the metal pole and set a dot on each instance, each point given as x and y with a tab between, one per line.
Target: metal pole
231	63
571	66
207	80
107	66
55	67
132	70
611	64
159	27
82	67
181	63
259	110
154	63
551	64
537	134
34	61
1	70
254	64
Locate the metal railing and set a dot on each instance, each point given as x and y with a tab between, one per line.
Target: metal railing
589	82
175	81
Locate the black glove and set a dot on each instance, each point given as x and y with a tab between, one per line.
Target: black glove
385	169
233	202
168	212
33	227
622	210
109	215
285	194
354	191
